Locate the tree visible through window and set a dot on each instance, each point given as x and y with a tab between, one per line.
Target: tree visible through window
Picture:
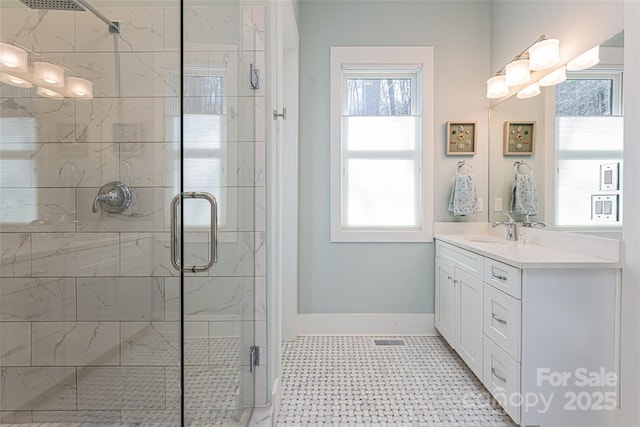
373	97
585	97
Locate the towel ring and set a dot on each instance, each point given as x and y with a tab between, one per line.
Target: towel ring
517	164
461	164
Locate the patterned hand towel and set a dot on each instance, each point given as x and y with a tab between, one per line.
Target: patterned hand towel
523	198
464	198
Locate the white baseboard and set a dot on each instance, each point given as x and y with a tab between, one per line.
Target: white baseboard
366	324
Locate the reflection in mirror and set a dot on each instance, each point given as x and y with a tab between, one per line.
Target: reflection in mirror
506	174
577	161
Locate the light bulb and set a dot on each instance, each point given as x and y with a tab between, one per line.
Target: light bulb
14	80
517	72
555	77
79	88
13	58
48	74
586	60
48	93
497	87
544	54
529	91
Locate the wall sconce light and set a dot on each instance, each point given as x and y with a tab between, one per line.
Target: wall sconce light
555	77
586	60
48	93
79	88
13	58
14	63
529	91
45	73
544	54
497	87
517	72
540	55
15	80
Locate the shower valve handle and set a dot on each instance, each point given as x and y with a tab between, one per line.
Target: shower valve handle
113	197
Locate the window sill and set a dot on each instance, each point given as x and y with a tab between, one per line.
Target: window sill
351	236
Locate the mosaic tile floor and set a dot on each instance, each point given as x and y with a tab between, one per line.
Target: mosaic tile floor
348	381
213	394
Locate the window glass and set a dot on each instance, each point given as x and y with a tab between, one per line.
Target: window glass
205	148
375	199
589	152
584	97
18	203
378	97
381	153
381	133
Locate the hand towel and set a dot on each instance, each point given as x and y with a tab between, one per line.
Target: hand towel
523	198
464	197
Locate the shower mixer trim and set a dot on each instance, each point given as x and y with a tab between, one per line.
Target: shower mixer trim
113	197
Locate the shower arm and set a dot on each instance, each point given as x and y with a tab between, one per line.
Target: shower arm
114	26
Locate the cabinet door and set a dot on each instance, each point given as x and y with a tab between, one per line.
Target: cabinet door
445	300
468	330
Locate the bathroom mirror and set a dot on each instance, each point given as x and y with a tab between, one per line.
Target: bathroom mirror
541	110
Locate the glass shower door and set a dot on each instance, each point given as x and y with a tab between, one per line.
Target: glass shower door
220	130
96	323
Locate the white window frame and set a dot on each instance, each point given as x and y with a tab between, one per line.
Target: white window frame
357	61
614	73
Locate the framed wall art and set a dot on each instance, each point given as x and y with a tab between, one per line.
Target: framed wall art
519	138
461	138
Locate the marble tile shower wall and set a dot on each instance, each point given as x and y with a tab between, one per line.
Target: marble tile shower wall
89	303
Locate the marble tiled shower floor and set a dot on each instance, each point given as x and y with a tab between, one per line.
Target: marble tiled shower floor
213	394
348	381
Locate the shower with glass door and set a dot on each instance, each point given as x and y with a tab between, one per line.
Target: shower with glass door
131	169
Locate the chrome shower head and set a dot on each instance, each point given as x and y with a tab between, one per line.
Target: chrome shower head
77	5
54	4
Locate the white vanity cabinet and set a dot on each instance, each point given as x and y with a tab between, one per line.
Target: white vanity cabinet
458	301
543	337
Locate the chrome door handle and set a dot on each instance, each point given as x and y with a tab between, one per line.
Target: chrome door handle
175	258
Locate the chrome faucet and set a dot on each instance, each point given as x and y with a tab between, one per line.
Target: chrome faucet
527	222
510	226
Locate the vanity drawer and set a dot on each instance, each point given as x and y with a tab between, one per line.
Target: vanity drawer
470	262
501	376
504	277
502	320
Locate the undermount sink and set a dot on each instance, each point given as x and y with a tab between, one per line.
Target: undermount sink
486	239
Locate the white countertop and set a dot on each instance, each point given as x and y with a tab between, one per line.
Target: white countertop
526	255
